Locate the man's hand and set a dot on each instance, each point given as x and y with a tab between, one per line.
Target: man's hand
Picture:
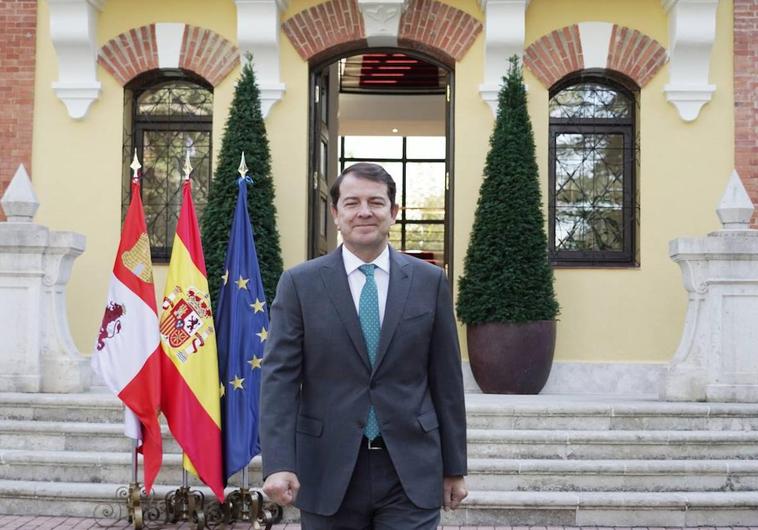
454	492
281	487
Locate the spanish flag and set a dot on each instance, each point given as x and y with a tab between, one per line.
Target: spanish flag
189	365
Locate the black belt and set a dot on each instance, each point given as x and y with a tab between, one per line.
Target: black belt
377	444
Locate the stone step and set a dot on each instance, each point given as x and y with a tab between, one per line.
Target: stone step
87	407
94	467
72	436
576	413
484	474
482	443
603	445
483	411
482	507
494	474
626	509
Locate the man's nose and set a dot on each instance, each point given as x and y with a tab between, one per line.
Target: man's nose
364	210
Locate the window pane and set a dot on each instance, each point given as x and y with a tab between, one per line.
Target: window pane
373	147
585	229
425	194
175	98
590	100
589	191
164	154
395	236
425	147
425	238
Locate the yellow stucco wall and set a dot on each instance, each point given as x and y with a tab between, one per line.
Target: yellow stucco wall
607	315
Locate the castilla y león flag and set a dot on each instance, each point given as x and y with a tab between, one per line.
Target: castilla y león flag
127	351
189	363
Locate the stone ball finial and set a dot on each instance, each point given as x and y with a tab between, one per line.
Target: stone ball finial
735	208
19	201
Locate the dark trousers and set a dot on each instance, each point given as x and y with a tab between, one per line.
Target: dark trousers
375	500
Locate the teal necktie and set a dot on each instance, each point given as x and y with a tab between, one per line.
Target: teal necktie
368	314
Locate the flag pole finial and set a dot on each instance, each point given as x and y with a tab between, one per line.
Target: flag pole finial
135	167
187	167
243	166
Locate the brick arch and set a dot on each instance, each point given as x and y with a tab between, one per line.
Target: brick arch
136	51
559	53
336	27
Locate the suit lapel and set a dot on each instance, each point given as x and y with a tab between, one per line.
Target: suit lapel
335	279
397	294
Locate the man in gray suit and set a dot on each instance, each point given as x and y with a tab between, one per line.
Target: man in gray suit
363	423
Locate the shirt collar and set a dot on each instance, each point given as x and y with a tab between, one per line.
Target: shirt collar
352	262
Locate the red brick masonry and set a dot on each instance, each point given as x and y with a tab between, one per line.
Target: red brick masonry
336	26
746	96
559	53
18	18
203	52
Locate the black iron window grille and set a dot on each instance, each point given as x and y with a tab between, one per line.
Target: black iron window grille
417	164
169	113
593	207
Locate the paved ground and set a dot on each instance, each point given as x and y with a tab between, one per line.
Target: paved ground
17	522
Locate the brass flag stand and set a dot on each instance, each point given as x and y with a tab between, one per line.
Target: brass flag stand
186	504
134	498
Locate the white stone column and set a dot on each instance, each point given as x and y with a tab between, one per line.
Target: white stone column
37	353
717	358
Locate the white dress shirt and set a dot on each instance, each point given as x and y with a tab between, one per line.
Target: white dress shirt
357	279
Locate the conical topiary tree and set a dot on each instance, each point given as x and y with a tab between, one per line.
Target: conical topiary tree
245	132
507	276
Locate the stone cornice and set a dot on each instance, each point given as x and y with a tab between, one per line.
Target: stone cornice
504	33
381	18
72	30
692	31
258	33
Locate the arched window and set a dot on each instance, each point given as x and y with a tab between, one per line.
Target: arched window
169	113
592	190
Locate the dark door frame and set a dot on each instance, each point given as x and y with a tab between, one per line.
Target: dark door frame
315	70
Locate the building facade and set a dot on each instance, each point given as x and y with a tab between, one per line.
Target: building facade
640	109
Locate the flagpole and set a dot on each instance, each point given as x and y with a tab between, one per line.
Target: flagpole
135	464
245	478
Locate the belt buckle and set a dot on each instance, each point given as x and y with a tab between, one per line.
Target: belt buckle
371	447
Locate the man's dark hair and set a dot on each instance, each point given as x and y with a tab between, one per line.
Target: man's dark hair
368	171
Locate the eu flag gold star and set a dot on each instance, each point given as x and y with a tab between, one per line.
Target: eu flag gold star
263	334
255	362
237	383
221	391
242	282
225	276
258	306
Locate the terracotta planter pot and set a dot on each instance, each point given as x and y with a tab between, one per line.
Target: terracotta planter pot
511	358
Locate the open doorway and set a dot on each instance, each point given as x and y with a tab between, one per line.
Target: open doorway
391	107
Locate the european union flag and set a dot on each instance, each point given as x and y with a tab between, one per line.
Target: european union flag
242	329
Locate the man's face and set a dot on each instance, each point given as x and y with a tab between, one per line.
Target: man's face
364	215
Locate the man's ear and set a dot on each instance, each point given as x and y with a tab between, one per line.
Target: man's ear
394	210
334	213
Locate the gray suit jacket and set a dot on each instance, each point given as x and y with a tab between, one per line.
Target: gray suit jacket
318	382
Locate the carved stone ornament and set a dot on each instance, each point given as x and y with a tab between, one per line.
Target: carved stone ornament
717	357
37	353
258	33
72	30
382	20
692	31
505	28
